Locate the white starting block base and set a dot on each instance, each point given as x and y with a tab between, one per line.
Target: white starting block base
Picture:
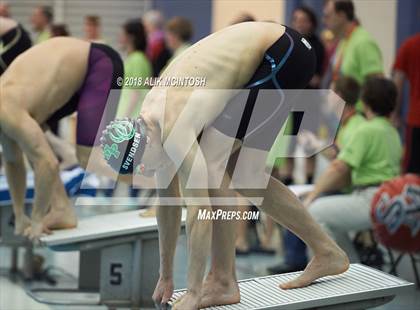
119	261
361	287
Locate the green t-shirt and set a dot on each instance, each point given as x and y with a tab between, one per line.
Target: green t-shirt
361	57
136	66
348	129
373	152
43	36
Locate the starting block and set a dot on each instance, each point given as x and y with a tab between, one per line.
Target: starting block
361	287
71	178
119	261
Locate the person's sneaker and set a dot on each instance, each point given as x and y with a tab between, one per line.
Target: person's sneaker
284	268
241	252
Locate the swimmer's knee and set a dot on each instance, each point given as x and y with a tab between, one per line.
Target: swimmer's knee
83	154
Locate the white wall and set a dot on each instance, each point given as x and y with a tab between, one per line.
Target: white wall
379	17
72	12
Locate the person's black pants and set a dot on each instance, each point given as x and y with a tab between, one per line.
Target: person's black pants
411	162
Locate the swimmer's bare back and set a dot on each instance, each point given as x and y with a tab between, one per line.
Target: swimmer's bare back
42	79
226	59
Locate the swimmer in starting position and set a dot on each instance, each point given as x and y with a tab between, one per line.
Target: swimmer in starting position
42	85
163	141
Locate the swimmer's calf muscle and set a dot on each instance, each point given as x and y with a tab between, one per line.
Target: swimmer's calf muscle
169	223
16	178
193	171
19	126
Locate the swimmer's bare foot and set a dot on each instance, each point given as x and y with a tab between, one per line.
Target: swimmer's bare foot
60	218
332	262
241	246
188	301
151	212
218	293
21	223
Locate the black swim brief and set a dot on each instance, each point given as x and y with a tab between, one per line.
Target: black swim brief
14	42
288	64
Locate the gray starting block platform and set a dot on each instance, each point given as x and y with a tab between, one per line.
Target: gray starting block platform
71	179
8	238
119	261
361	287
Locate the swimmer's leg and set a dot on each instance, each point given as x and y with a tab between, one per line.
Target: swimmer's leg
220	286
286	209
14	166
62	214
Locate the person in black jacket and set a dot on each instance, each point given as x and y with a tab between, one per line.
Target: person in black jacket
305	21
14	40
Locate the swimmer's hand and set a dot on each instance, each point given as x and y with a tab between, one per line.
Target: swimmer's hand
163	292
310	197
309	141
35	231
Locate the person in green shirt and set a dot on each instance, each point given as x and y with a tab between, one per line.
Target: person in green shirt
357	54
41	20
92	28
136	69
178	33
349	90
371	156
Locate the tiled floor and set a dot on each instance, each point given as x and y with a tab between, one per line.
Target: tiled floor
13	296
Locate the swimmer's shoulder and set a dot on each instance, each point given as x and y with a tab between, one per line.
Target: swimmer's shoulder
250	35
251	29
54	50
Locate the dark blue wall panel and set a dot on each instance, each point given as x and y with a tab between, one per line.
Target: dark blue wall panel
291	5
199	12
408	19
408	23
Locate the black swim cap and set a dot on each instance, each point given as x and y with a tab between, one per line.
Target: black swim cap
123	143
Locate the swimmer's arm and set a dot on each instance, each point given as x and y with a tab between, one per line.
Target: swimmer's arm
336	177
16	174
134	101
31	139
64	150
169	220
92	160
